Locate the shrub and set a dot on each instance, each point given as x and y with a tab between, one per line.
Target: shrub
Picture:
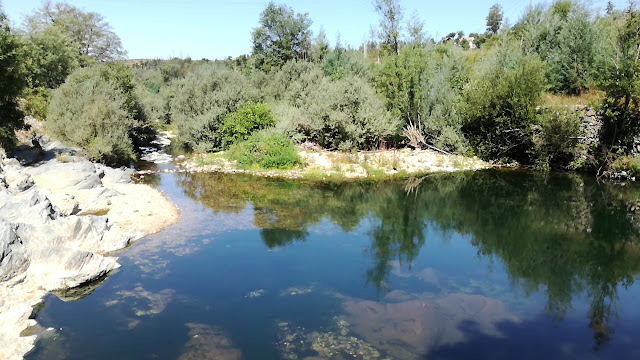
270	151
97	110
630	164
347	114
240	124
35	102
558	141
293	83
201	101
499	107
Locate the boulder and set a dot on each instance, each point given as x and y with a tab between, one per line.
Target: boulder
14	256
77	175
17	181
61	268
31	207
112	176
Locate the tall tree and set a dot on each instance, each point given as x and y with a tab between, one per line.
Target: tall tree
320	47
390	17
415	29
620	109
283	35
91	34
51	58
12	81
494	19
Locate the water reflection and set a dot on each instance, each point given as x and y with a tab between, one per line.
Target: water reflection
565	235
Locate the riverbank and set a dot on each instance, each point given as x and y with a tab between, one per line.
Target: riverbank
60	219
320	164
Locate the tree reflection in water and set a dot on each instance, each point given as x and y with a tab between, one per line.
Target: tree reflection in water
563	234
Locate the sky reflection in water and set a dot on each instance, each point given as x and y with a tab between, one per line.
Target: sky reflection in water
489	264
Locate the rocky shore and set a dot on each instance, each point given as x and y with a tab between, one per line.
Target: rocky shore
60	218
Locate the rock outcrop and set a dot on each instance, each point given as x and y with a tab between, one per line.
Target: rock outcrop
54	234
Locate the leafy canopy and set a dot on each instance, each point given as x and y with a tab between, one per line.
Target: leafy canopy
283	35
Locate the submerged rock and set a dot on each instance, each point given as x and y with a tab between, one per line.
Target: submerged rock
295	342
208	343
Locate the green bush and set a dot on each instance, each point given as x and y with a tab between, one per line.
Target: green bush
96	109
630	164
35	102
499	106
293	83
558	141
240	124
269	151
347	114
202	99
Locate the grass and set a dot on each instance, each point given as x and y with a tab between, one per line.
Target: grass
209	159
63	158
459	165
589	98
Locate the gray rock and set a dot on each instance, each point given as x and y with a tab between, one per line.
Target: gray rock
115	176
79	175
31	207
17	181
14	256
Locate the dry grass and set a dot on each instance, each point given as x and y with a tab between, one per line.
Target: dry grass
589	98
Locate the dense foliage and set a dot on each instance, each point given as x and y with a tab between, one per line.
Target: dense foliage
201	101
269	151
96	109
499	95
11	83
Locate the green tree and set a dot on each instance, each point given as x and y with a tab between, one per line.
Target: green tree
12	82
320	47
566	38
91	34
619	110
50	58
390	18
494	19
283	35
415	29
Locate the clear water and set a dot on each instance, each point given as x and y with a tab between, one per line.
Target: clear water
488	265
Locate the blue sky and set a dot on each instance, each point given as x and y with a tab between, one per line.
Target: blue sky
216	29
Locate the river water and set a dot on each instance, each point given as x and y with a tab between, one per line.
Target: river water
488	265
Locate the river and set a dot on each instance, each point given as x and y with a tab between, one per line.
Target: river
488	264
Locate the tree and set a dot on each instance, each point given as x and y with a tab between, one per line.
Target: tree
12	82
494	19
90	33
620	108
283	35
390	17
415	29
50	58
320	47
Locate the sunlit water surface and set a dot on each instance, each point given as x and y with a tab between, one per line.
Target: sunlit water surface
485	265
